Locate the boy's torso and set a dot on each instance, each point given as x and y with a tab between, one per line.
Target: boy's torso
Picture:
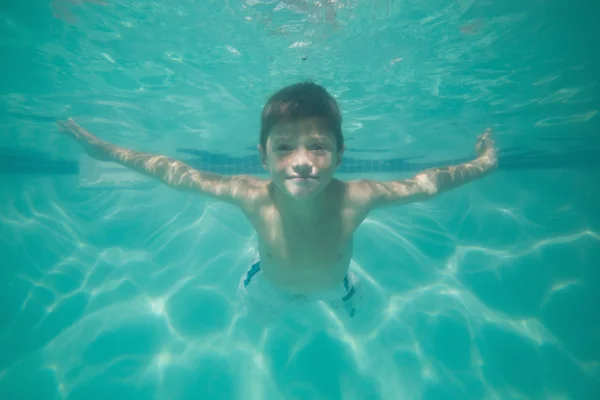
304	257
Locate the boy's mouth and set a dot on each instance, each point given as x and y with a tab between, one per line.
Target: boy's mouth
302	178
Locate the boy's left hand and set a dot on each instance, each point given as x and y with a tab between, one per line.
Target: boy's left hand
486	149
92	145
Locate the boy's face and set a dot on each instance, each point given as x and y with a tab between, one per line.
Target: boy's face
301	157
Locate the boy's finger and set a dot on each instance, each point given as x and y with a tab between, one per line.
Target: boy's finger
68	127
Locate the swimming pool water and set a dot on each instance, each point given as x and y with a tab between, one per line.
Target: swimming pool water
116	287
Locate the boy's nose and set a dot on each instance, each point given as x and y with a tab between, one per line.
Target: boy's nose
303	169
301	164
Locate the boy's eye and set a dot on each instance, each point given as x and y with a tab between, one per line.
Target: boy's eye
287	148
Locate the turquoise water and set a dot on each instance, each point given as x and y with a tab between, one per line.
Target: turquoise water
115	287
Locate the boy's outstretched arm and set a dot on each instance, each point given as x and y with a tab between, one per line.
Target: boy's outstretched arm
174	173
431	182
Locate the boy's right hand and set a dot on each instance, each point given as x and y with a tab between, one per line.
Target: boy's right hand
92	145
486	148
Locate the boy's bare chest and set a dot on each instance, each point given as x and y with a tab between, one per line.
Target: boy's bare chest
322	241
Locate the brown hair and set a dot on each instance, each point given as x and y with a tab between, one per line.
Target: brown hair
300	101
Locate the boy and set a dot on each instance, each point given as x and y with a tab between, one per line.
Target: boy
305	218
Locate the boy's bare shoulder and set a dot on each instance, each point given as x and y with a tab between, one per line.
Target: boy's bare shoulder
355	200
250	191
358	192
251	186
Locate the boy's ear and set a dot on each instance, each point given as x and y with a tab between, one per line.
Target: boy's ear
263	156
339	155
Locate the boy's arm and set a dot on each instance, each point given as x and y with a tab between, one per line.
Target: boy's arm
174	173
431	182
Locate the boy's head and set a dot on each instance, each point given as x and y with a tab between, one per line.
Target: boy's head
301	140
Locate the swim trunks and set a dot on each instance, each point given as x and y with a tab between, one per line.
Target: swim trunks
261	297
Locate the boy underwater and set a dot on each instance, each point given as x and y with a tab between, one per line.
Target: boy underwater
304	217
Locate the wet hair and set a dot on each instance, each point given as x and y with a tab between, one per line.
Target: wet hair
301	101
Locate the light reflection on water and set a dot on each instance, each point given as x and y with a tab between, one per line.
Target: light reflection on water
485	292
